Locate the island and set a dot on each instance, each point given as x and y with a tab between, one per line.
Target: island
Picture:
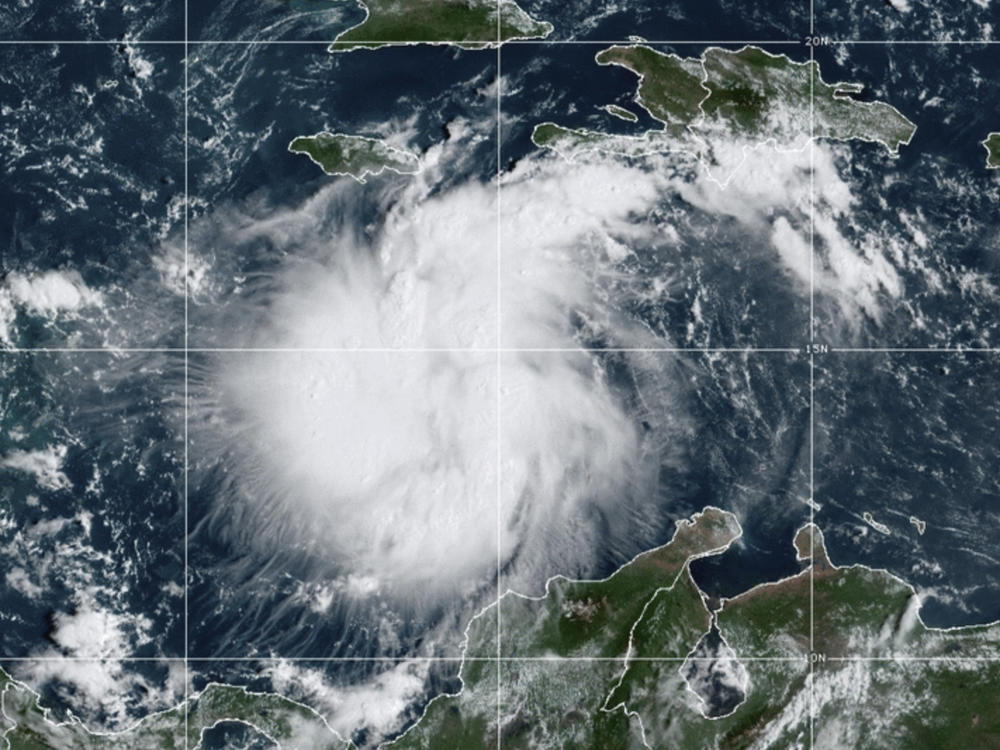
353	155
471	24
620	112
992	146
644	659
724	97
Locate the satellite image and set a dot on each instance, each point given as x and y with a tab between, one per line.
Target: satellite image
495	374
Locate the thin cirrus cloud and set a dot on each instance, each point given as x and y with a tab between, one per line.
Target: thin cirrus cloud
386	456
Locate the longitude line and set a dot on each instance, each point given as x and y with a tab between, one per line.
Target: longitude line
812	376
186	42
499	365
187	353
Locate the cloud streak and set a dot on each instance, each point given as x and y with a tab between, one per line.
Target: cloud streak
444	423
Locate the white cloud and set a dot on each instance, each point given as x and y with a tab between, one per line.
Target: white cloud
19	580
51	292
774	184
376	705
48	294
97	680
44	464
106	695
389	461
89	633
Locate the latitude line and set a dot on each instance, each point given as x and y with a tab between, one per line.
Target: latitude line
468	45
914	350
471	45
801	659
187	351
125	351
410	350
401	659
973	42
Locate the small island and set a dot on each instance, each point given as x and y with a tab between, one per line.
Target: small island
992	146
353	155
620	112
470	24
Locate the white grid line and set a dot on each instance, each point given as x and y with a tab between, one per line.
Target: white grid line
498	44
471	45
486	45
801	659
914	350
499	350
499	362
971	42
412	350
187	357
812	378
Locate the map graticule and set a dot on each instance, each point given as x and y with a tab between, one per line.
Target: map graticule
817	651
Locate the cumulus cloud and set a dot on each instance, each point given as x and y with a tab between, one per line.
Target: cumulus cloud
44	464
93	626
377	705
106	695
49	295
90	632
715	676
19	580
51	292
770	193
103	687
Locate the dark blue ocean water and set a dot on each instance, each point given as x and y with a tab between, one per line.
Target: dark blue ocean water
896	435
111	538
750	449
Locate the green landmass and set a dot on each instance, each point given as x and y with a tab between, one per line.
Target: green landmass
549	134
594	618
545	700
572	141
353	155
670	87
283	721
744	96
601	664
882	680
466	23
763	94
992	146
858	612
620	112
